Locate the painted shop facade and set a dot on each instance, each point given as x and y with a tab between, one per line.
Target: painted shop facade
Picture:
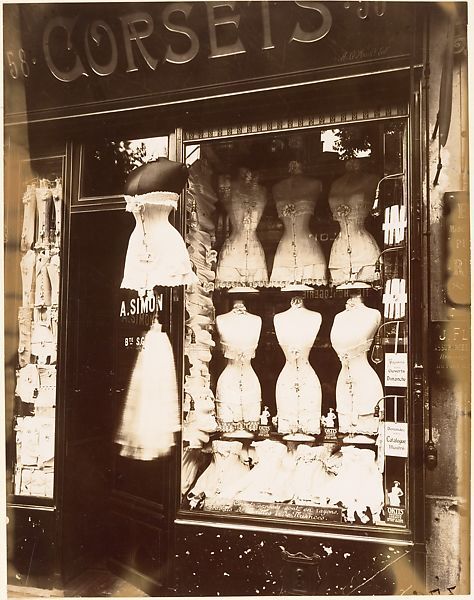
237	305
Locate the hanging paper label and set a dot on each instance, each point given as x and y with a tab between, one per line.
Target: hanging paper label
396	369
396	439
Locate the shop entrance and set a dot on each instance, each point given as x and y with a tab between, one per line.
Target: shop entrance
115	508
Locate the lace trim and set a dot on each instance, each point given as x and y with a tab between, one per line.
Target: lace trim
231	426
355	351
232	284
135	203
302	281
237	353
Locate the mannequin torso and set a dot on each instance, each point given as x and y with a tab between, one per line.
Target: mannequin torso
242	260
354	251
238	392
298	390
299	258
358	387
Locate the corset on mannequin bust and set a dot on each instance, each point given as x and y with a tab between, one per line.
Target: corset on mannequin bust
241	260
358	387
238	392
156	253
29	213
43	205
354	251
298	258
298	390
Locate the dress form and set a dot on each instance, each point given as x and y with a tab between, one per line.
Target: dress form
298	390
354	252
298	258
358	387
241	261
238	392
29	213
43	204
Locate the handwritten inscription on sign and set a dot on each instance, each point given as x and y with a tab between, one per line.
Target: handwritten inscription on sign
331	514
396	369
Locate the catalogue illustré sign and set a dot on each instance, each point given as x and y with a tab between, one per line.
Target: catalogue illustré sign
72	58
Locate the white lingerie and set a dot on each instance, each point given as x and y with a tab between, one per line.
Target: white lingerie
29	214
242	259
222	477
43	203
298	393
354	252
299	257
238	392
156	254
27	267
27	383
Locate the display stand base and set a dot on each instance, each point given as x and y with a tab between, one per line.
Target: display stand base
299	437
358	438
243	289
239	434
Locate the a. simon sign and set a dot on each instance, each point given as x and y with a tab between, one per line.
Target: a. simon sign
73	58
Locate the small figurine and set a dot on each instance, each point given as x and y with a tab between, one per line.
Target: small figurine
395	494
264	416
329	421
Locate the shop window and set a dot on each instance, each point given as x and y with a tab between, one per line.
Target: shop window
296	393
106	165
32	278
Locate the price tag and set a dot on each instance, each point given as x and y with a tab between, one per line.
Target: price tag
396	369
396	439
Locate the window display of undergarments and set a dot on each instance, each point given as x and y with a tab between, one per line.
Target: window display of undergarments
241	260
354	252
298	390
299	257
238	392
284	368
156	253
36	373
358	388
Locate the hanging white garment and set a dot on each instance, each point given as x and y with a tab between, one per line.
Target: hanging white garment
156	254
150	416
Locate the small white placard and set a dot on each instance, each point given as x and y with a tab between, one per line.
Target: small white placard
396	369
396	439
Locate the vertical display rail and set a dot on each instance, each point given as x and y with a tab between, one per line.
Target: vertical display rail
416	323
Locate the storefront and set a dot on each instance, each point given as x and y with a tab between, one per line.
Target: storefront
307	342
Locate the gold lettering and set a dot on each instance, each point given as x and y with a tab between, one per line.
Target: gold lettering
131	34
299	35
172	56
68	25
213	22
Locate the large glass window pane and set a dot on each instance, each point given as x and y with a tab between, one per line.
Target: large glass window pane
296	342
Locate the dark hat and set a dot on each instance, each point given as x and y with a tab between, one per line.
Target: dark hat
161	175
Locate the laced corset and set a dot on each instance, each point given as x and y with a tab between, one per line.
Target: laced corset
357	351
295	355
242	259
298	258
351	210
156	253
